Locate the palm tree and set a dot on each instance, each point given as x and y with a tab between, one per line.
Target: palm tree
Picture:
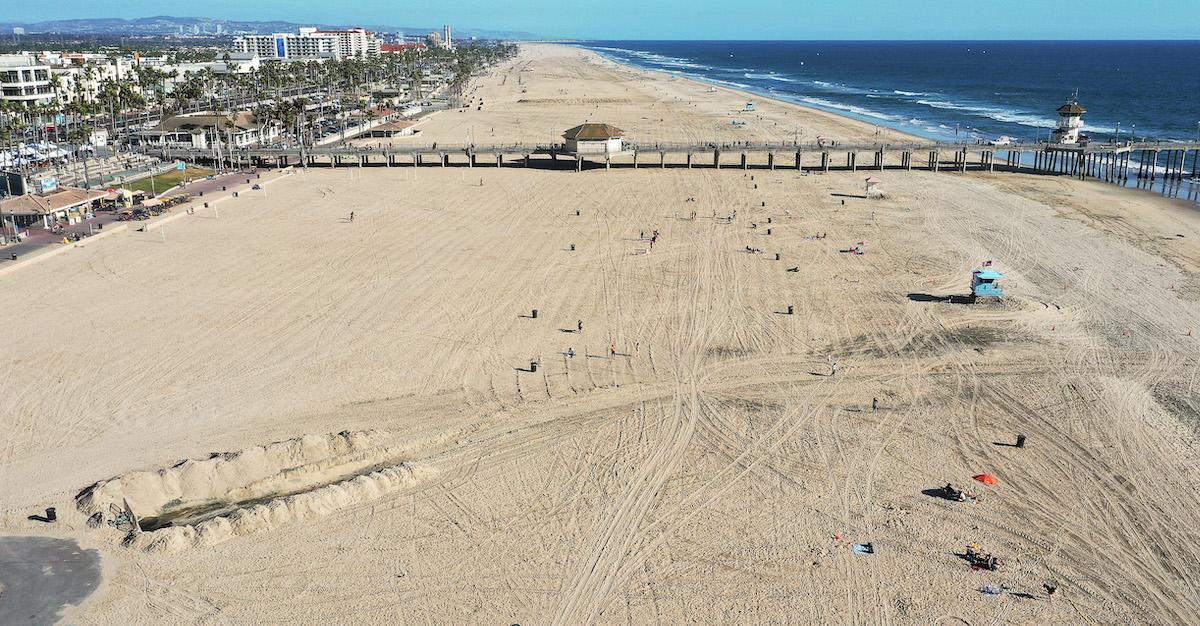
79	136
415	76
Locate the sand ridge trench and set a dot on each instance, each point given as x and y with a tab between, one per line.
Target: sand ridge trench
204	502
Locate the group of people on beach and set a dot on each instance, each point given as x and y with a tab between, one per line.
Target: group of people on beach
653	237
612	346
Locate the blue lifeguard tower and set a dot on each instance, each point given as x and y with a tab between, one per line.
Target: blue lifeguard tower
986	284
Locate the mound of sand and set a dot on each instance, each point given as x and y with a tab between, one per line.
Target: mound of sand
204	502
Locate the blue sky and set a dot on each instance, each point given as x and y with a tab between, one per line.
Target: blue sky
694	19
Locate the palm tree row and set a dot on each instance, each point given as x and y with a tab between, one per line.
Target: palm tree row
270	89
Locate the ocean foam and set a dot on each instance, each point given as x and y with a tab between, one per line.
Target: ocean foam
777	77
728	82
857	110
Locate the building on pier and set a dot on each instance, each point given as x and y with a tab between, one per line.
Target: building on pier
1070	124
594	139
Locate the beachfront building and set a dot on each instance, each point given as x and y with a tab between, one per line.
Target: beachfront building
25	80
310	44
594	139
397	128
201	130
66	204
1070	123
67	77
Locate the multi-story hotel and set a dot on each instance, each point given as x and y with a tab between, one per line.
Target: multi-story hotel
309	44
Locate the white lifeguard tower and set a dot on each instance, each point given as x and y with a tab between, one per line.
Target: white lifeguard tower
873	187
1070	123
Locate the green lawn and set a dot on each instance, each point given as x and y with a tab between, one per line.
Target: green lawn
166	180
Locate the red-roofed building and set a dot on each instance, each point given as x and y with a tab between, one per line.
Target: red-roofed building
389	48
30	208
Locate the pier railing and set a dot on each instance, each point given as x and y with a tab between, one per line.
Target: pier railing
1109	161
679	148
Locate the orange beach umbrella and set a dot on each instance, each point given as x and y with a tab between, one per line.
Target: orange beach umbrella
986	479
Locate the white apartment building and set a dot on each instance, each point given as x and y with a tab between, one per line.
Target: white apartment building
309	44
81	81
25	79
354	42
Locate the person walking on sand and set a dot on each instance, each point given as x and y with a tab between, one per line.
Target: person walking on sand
612	349
874	404
833	368
579	326
352	217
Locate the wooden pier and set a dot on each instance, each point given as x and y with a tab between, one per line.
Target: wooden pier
1115	162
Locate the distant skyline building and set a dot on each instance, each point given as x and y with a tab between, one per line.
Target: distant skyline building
443	39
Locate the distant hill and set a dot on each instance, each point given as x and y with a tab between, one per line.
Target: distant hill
168	25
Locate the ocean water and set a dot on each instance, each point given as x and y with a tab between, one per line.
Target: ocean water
955	91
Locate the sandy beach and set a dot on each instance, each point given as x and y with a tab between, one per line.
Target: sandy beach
367	442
